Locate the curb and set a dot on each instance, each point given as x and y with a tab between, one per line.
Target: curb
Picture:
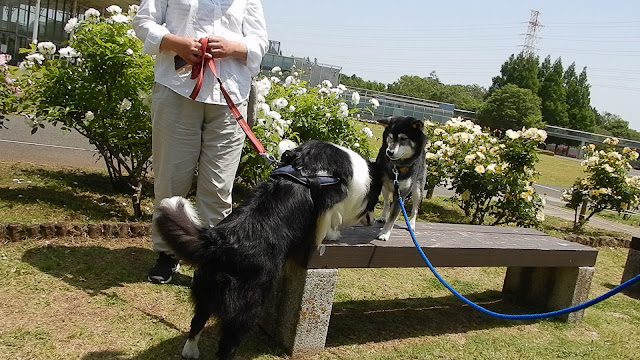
14	232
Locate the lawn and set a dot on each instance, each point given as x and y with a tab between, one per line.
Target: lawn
72	298
558	171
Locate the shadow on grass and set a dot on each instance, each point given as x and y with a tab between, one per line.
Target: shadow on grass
363	321
255	344
94	269
89	194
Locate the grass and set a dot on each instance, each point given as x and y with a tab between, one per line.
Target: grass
88	299
558	171
40	193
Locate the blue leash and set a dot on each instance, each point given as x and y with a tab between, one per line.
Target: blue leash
545	315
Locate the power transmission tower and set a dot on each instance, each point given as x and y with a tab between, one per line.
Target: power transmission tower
531	39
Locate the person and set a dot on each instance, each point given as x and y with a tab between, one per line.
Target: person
202	134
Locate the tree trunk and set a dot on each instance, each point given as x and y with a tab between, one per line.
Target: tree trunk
136	185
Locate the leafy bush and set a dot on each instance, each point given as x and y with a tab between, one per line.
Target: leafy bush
290	113
490	176
8	91
607	185
99	85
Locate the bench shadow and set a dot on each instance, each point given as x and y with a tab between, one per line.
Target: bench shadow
363	321
94	269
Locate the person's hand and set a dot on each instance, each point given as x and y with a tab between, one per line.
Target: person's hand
188	48
220	47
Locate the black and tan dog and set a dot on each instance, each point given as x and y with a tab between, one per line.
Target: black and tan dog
401	155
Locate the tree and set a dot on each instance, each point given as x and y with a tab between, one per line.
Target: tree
579	110
553	94
415	86
358	82
511	107
521	70
99	85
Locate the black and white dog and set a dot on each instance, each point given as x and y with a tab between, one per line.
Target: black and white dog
239	260
401	156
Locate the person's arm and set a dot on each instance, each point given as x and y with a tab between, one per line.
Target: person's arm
156	38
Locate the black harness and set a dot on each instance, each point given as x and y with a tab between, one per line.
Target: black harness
291	173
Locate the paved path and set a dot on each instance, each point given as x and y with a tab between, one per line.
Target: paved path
51	146
47	146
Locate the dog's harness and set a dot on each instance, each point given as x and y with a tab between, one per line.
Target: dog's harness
292	173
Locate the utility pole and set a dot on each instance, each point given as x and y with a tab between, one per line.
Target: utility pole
531	38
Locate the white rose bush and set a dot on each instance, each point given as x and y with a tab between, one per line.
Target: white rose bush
289	113
492	177
607	186
100	86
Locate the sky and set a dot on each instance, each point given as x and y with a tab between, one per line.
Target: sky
466	42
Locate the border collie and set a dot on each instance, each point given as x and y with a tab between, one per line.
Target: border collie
402	153
239	260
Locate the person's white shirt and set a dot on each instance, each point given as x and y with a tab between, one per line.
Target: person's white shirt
235	20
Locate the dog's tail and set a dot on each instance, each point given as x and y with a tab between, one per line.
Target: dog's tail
179	225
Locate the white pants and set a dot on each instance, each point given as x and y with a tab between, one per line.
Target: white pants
187	133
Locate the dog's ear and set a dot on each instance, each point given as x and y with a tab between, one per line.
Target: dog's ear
418	124
384	122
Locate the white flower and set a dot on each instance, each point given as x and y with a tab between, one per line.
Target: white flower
119	18
274	115
513	134
275	80
114	9
469	158
285	145
92	15
367	132
133	10
431	155
480	169
611	141
491	168
356	145
131	33
355	98
68	53
46	48
276	70
540	216
89	116
326	84
343	110
290	80
26	64
35	58
71	25
279	103
300	91
125	104
608	168
263	87
292	108
324	91
129	52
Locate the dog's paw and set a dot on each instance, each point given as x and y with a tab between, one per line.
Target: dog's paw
384	236
190	350
333	235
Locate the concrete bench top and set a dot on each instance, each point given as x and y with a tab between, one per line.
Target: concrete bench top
450	245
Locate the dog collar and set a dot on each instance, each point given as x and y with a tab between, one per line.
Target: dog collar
291	173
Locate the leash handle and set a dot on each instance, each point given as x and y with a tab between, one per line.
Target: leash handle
198	73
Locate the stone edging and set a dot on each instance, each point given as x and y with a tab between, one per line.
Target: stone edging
13	232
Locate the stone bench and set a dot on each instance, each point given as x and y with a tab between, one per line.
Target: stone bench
542	270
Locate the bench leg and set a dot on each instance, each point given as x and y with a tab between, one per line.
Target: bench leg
550	288
298	315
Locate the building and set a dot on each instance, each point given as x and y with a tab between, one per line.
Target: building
28	21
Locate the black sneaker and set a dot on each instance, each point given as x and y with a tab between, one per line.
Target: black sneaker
164	268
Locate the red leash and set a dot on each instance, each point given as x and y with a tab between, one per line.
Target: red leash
198	73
